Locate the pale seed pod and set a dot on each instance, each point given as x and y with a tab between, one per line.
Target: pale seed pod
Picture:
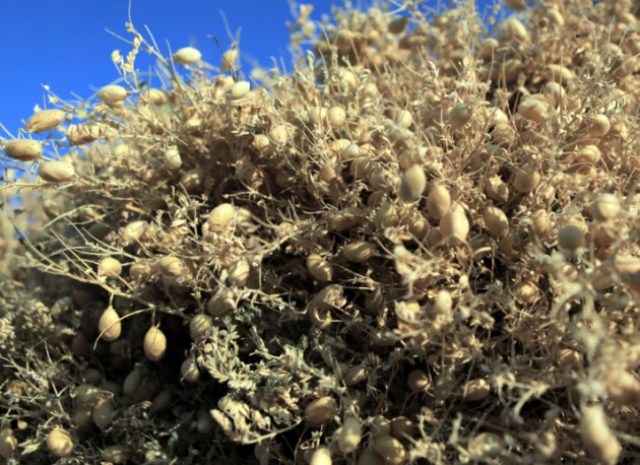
390	449
171	159
359	251
320	411
220	217
556	91
438	201
350	435
189	370
540	222
113	94
155	344
220	303
571	236
534	109
103	413
239	273
413	184
133	231
454	224
606	207
230	59
109	267
526	179
171	266
623	387
337	117
486	446
319	268
476	389
460	115
515	4
404	119
23	149
354	375
187	56
589	155
386	216
568	358
513	29
45	120
496	189
488	49
57	171
418	381
109	324
278	135
8	443
599	125
443	303
597	437
526	292
59	442
239	89
199	326
261	143
402	428
496	221
559	73
140	271
154	96
116	454
321	456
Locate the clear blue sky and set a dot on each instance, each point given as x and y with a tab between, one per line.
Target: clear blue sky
65	45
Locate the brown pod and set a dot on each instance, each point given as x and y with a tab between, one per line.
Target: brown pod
45	120
319	268
320	411
23	149
103	413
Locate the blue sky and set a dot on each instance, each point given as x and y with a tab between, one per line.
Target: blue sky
65	43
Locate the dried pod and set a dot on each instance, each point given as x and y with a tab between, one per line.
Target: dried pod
45	120
278	135
588	155
559	73
239	273
534	108
540	222
103	413
199	326
454	224
496	189
513	29
460	115
438	201
515	4
597	437
187	56
116	454
359	251
109	267
320	411
321	456
220	217
171	159
526	179
350	435
113	94
220	303
571	236
319	268
230	59
239	90
8	443
189	370
354	375
496	221
59	442
623	387
476	389
23	149
390	449
402	428
155	344
57	171
109	324
386	216
133	231
404	119
606	207
337	117
413	184
83	417
418	381
598	125
569	358
171	266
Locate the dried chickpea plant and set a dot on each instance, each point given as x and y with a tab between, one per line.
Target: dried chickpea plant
419	246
